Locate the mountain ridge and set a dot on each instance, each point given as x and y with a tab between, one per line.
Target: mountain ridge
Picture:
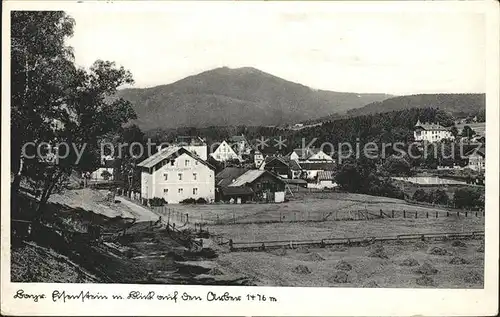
236	96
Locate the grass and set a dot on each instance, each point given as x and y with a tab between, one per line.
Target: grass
304	206
268	269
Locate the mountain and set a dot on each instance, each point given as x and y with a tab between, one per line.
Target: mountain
241	96
456	104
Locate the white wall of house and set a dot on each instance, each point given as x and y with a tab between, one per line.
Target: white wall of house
258	159
186	178
224	153
432	135
315	157
476	162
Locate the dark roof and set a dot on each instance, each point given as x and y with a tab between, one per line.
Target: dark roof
295	181
294	165
190	140
279	159
325	175
227	175
325	166
430	126
481	151
237	191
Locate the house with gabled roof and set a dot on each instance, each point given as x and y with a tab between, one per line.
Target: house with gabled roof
476	158
241	184
176	174
240	144
224	153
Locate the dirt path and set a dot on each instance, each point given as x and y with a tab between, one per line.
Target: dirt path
139	212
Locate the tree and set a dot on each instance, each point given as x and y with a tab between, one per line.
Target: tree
420	195
454	131
397	166
55	102
468	132
106	175
466	198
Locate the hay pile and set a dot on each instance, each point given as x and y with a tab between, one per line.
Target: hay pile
301	269
425	281
458	260
409	262
473	277
426	269
313	257
458	243
278	252
343	266
338	248
377	251
339	277
215	271
438	251
303	250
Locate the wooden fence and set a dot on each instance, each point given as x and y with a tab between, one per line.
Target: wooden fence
353	241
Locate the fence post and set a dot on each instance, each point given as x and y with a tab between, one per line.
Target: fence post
230	244
416	216
380	213
466	214
234	218
187	217
393	213
476	213
404	213
447	214
427	215
436	214
217	219
458	214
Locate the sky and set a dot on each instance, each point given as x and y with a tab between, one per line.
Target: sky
387	52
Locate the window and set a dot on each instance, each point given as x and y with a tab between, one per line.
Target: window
195	176
180	190
195	191
195	162
172	162
186	163
166	176
165	190
180	176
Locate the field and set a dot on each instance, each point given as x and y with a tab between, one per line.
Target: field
304	206
409	265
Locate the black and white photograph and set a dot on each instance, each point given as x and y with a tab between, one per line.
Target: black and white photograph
252	146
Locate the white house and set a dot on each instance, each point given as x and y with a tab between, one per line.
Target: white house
258	158
176	174
194	144
431	132
476	159
310	155
224	152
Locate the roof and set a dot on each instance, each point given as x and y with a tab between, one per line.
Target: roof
305	153
250	176
237	191
170	152
481	151
295	181
269	159
325	175
227	175
325	166
294	165
430	126
247	177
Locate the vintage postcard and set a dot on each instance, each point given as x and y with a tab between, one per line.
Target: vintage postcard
250	158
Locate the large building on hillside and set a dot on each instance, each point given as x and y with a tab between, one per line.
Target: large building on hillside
431	132
176	174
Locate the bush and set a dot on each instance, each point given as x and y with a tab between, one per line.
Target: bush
156	202
201	200
188	201
439	196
